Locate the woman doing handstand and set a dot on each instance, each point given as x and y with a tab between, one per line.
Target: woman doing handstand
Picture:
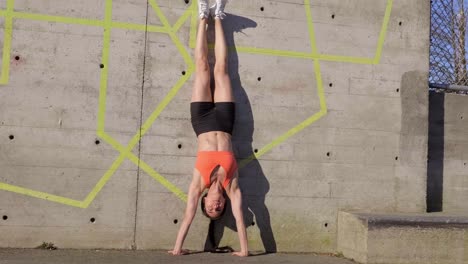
213	115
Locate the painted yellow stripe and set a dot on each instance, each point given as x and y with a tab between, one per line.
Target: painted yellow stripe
160	14
144	166
310	26
107	175
172	93
163	181
193	26
383	32
139	27
182	19
166	28
105	70
41	195
7	37
59	19
157	29
282	138
148	123
185	55
309	121
271	52
320	90
85	22
102	102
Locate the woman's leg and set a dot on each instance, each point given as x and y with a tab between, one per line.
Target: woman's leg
223	90
201	88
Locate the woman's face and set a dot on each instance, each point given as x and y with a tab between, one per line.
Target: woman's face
214	207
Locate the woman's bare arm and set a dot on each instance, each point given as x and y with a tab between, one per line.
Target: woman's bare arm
192	201
236	201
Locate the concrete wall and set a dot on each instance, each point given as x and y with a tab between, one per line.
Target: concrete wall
332	99
448	148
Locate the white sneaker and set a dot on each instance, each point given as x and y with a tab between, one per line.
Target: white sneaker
217	10
203	9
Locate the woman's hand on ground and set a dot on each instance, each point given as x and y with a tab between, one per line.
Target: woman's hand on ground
241	254
178	252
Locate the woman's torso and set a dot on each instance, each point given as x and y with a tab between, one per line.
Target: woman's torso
214	141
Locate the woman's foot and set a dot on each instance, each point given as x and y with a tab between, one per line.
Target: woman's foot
203	9
217	10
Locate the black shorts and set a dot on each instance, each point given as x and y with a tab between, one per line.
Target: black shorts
209	116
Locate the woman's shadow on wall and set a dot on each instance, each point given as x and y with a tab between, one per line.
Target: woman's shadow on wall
252	180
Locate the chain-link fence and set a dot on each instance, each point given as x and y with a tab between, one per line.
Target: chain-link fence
448	60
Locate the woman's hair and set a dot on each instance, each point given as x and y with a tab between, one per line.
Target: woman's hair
202	204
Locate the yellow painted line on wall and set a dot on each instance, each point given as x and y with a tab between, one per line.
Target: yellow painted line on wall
193	25
7	36
83	21
166	28
58	19
139	27
182	19
126	152
310	27
102	102
105	70
383	32
320	92
146	168
105	178
160	14
41	195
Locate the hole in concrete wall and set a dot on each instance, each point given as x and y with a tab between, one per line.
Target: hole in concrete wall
179	146
326	224
183	72
92	220
101	66
396	158
253	223
333	16
400	23
464	164
330	84
461	117
262	9
5	217
176	221
328	154
187	1
11	137
255	150
17	57
397	90
259	78
97	142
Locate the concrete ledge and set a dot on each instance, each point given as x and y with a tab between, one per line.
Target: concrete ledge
403	238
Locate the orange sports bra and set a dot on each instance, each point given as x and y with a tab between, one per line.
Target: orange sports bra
207	161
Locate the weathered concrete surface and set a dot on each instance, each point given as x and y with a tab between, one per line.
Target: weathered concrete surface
403	238
60	256
456	154
366	151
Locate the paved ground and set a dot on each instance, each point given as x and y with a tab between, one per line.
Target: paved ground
70	256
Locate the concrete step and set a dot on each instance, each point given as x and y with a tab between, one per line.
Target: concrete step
394	238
